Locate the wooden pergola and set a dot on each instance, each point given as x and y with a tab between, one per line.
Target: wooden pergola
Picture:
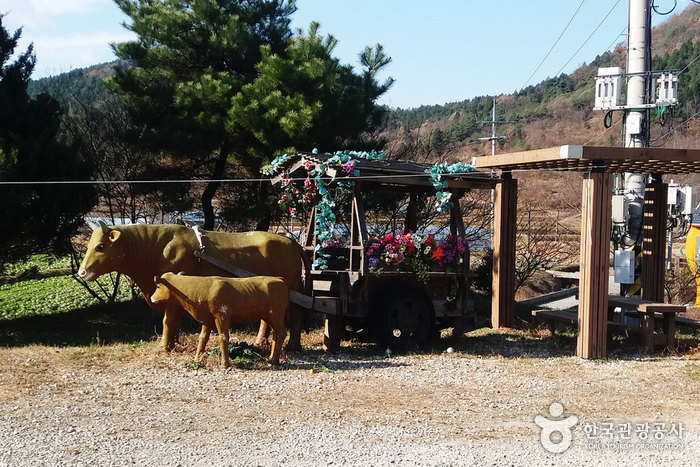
597	164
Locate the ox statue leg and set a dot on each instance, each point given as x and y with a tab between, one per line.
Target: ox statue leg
261	338
171	326
295	321
202	342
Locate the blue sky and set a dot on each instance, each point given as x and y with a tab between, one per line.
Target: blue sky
443	51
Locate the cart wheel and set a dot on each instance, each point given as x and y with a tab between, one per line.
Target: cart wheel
403	318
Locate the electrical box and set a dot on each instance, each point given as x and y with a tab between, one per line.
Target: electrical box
674	194
620	211
633	123
667	92
697	254
624	266
688	206
608	88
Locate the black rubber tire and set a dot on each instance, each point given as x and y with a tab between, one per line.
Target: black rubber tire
402	317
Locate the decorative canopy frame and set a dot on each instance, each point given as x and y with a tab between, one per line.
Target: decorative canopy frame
389	173
597	164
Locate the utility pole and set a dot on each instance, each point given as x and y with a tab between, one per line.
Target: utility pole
638	95
494	124
628	202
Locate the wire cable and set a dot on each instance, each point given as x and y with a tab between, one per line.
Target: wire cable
589	38
656	10
688	65
555	43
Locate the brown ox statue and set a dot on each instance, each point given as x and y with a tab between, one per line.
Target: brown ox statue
219	301
143	251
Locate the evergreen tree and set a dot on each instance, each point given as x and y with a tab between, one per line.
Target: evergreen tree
35	218
223	83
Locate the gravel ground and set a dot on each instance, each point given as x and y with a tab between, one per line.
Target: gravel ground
120	405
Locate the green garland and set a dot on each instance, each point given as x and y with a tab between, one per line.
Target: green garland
346	161
325	217
443	203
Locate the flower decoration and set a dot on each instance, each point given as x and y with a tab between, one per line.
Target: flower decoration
421	253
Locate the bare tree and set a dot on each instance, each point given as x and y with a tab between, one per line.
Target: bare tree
540	244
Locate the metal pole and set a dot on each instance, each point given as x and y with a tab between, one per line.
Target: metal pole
635	122
493	128
638	62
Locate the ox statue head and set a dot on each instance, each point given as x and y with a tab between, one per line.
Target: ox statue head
104	253
162	293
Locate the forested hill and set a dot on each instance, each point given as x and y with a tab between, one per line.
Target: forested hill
83	84
555	111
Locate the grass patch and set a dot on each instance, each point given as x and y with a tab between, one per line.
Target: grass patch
318	368
124	322
195	365
38	263
47	296
242	354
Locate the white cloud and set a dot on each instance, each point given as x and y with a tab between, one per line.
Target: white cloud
67	34
35	13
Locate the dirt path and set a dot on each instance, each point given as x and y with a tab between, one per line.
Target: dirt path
115	405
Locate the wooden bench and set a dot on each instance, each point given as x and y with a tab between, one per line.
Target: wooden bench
647	311
551	316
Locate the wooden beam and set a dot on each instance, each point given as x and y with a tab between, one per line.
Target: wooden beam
503	285
654	240
584	158
596	206
529	157
294	296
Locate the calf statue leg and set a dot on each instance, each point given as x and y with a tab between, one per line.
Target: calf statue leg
202	342
222	327
280	333
171	326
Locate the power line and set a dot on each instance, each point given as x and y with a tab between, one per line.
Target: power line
688	65
223	180
555	43
588	38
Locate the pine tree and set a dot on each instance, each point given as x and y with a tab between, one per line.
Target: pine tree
224	82
35	218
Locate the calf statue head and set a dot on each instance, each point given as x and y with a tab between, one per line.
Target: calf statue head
104	253
162	293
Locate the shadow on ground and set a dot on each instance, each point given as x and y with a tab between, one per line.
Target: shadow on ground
134	321
131	321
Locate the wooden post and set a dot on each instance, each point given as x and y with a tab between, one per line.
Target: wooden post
358	233
504	228
654	240
332	333
411	222
310	239
596	224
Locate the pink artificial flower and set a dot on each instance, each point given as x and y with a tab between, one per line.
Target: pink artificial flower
348	167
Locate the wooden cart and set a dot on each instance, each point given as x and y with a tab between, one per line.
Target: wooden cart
399	307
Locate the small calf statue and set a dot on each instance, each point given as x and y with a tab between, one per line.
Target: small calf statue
219	301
